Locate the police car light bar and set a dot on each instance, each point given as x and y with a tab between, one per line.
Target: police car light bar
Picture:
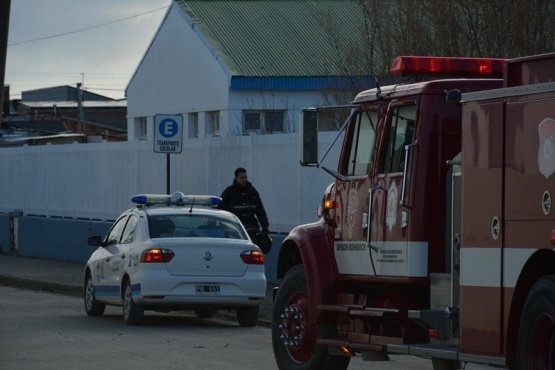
479	67
177	198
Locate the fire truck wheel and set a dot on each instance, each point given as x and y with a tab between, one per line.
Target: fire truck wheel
293	333
536	335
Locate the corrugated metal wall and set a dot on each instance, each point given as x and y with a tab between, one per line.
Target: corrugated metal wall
96	181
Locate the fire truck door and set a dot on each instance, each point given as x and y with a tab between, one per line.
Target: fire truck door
350	246
388	230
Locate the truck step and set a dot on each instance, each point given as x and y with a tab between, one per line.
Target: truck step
357	310
376	343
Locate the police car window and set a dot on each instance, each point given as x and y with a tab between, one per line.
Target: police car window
194	225
400	133
361	149
129	231
114	235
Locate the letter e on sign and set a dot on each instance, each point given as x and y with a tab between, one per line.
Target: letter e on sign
168	133
168	128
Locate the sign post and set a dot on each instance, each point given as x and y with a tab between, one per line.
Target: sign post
168	138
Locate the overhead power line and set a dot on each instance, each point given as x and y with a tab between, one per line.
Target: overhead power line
85	29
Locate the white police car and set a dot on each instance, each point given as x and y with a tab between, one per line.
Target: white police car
170	253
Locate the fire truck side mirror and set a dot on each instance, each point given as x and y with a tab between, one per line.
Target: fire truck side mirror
309	137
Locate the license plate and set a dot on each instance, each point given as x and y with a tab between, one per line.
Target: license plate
207	289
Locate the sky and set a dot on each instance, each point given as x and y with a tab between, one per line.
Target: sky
98	43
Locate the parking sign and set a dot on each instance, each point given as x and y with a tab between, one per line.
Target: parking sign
168	133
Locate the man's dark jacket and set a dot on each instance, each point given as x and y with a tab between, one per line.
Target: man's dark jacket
245	203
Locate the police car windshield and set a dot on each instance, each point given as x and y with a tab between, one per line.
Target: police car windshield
194	225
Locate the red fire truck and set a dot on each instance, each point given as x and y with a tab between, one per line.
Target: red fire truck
436	237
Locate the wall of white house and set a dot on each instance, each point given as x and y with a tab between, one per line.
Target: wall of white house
289	101
96	181
178	74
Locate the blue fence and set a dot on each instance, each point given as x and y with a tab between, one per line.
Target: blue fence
66	239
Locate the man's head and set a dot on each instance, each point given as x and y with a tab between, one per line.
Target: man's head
241	176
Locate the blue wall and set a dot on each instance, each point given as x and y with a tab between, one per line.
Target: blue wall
66	240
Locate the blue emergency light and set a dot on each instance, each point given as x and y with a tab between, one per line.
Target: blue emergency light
177	199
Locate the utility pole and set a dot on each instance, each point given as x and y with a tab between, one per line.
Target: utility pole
4	29
82	126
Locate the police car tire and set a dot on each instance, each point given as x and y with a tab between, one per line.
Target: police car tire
248	316
92	306
294	282
204	314
132	313
540	304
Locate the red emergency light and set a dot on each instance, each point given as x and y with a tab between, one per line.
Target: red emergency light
479	67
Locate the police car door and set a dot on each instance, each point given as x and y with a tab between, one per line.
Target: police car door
111	264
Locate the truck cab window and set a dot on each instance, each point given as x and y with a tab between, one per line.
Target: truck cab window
400	133
361	148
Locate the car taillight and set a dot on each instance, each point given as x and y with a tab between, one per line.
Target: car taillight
253	257
157	255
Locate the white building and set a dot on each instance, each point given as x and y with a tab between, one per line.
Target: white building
235	68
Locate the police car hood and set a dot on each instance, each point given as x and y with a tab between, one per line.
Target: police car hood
206	256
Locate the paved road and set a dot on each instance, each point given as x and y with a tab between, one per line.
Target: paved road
50	276
48	331
67	278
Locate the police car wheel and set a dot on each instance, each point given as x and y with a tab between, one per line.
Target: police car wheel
247	316
536	343
92	306
132	313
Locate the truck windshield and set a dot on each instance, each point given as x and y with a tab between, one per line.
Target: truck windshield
362	132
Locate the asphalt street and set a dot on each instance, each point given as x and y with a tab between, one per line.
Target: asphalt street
67	278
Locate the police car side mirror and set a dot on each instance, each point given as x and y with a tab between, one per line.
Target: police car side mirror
95	240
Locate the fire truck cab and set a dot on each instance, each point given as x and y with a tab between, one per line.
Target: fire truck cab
435	239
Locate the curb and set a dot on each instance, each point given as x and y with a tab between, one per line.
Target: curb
28	283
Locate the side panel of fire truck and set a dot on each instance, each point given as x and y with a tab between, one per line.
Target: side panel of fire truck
507	256
481	252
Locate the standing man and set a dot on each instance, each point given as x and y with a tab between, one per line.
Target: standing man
243	200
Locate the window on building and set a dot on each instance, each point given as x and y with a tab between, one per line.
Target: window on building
251	121
332	119
140	128
212	123
192	129
273	121
263	121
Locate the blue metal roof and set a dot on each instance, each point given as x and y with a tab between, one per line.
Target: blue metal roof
300	83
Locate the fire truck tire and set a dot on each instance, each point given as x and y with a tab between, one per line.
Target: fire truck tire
293	333
536	335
